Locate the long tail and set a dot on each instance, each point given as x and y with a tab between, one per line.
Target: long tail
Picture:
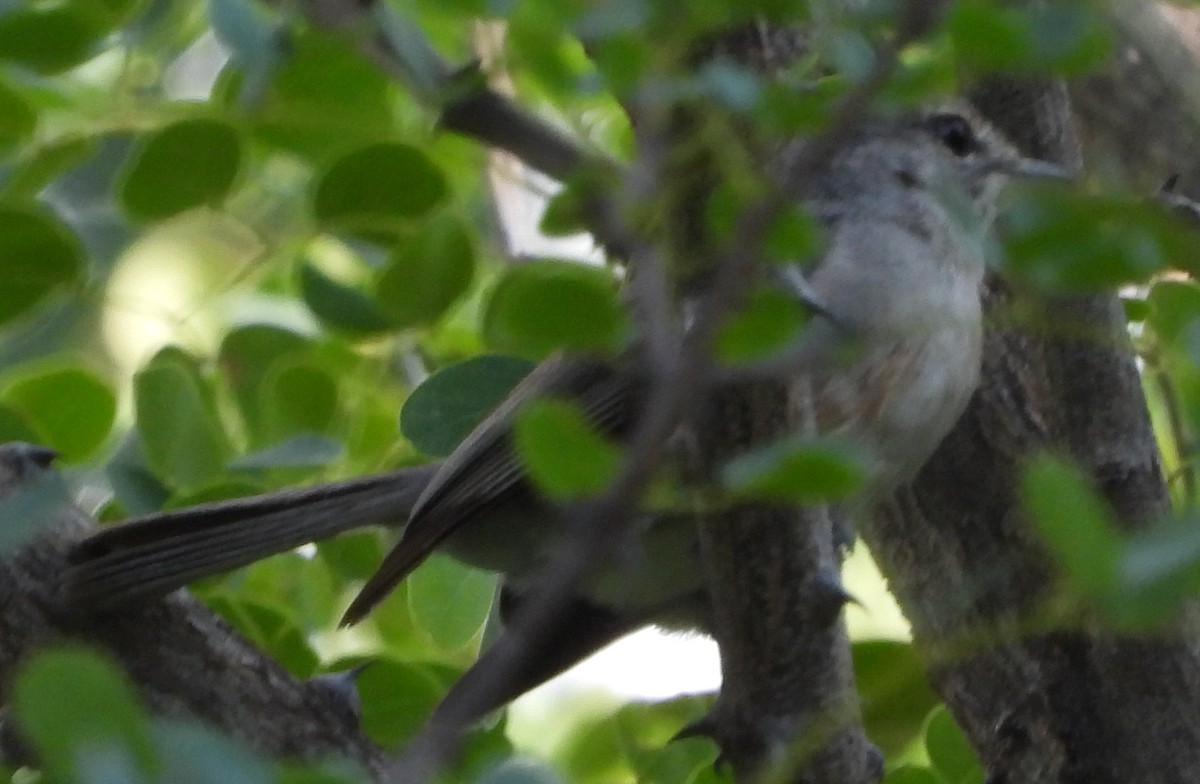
158	553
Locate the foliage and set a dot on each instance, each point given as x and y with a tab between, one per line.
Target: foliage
237	256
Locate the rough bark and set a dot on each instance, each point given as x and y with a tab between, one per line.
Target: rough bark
185	661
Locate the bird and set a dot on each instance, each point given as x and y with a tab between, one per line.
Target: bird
891	358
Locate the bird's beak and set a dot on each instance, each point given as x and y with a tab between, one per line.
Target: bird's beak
1027	167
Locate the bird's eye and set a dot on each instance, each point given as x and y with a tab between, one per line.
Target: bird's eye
955	132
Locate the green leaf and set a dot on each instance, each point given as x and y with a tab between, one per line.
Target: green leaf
273	630
181	434
303	451
450	601
18	118
75	707
377	189
909	774
324	97
70	408
949	751
768	323
796	470
187	164
396	700
441	412
1061	38
299	398
793	236
1057	240
338	306
38	255
39	166
1174	306
52	37
427	275
353	556
1076	524
14	427
565	456
1159	569
894	692
645	732
248	356
540	307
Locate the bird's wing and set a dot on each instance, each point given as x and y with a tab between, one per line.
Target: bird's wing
485	470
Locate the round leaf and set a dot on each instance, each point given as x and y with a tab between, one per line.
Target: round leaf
71	409
949	750
396	699
441	412
377	187
339	306
450	601
38	254
52	37
181	434
185	165
428	275
17	118
541	307
70	701
563	453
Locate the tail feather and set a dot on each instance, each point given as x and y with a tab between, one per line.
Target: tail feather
159	553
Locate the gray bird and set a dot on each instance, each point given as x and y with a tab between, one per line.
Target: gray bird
890	363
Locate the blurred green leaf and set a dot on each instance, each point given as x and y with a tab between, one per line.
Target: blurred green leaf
75	706
949	751
187	164
543	306
795	470
377	189
339	306
38	255
38	166
299	398
13	426
1063	38
303	451
273	630
646	730
52	37
563	453
18	118
908	774
767	323
397	698
70	408
1074	521
1174	305
441	412
894	691
248	356
181	433
450	601
427	274
1158	570
353	556
1057	240
324	97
